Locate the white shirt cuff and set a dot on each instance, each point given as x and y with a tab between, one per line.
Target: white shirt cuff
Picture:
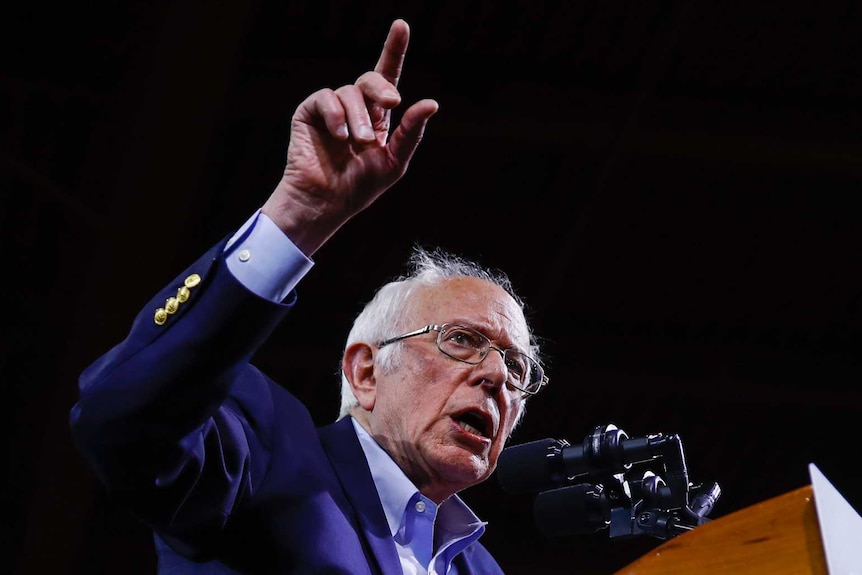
264	260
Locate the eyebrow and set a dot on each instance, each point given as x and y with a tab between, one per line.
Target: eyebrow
484	332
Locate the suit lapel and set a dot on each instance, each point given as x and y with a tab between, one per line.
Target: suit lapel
342	446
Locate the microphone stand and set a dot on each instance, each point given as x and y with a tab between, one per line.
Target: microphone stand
635	487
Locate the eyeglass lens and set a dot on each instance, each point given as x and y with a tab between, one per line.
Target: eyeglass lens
471	346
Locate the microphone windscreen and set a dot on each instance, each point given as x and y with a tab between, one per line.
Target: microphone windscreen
572	510
528	467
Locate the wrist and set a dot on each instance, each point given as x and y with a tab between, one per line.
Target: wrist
307	224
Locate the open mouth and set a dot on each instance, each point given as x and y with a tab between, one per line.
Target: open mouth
477	423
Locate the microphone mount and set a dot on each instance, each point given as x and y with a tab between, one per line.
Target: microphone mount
631	486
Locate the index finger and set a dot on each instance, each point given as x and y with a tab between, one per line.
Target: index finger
392	58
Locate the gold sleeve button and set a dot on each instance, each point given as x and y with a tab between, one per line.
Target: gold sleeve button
183	294
192	280
161	316
172	305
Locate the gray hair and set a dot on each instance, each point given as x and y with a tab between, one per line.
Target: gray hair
387	312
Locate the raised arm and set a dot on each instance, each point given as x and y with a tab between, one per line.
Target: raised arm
174	419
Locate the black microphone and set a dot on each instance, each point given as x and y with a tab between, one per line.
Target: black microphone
551	463
703	502
532	466
572	510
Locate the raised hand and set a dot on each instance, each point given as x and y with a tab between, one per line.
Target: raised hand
342	156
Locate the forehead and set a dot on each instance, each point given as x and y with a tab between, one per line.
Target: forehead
474	302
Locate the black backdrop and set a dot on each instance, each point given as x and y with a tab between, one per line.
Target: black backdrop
672	187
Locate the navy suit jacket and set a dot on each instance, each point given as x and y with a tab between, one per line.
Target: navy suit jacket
225	465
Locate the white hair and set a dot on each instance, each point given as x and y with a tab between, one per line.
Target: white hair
388	312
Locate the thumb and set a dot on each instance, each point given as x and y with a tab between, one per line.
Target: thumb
408	134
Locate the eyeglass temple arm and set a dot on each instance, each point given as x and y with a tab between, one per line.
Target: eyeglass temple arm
419	331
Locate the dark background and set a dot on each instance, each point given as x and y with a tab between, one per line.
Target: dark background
672	187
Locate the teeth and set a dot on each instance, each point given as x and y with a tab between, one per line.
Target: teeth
471	429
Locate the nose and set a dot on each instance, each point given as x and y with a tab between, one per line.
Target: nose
493	368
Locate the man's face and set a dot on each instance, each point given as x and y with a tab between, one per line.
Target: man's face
444	421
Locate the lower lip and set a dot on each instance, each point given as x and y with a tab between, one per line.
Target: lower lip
470	438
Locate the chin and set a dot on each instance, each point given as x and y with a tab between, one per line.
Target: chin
470	469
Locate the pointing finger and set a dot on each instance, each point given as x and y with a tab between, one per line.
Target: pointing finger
392	57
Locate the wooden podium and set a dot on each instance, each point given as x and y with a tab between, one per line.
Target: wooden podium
785	535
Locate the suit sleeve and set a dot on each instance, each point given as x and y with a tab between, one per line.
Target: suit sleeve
174	420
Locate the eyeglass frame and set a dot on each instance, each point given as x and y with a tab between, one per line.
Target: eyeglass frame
543	381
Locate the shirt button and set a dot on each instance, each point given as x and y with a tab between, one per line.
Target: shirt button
420	506
244	255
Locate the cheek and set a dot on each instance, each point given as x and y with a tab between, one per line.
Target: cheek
510	417
513	409
417	390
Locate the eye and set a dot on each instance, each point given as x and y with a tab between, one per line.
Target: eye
465	338
516	365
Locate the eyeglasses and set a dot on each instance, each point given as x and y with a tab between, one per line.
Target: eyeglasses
468	345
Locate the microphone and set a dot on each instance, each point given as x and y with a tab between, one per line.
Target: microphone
703	502
574	510
550	463
532	466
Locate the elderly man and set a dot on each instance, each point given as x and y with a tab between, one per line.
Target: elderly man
227	467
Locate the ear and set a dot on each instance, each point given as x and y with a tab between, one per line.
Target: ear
358	366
